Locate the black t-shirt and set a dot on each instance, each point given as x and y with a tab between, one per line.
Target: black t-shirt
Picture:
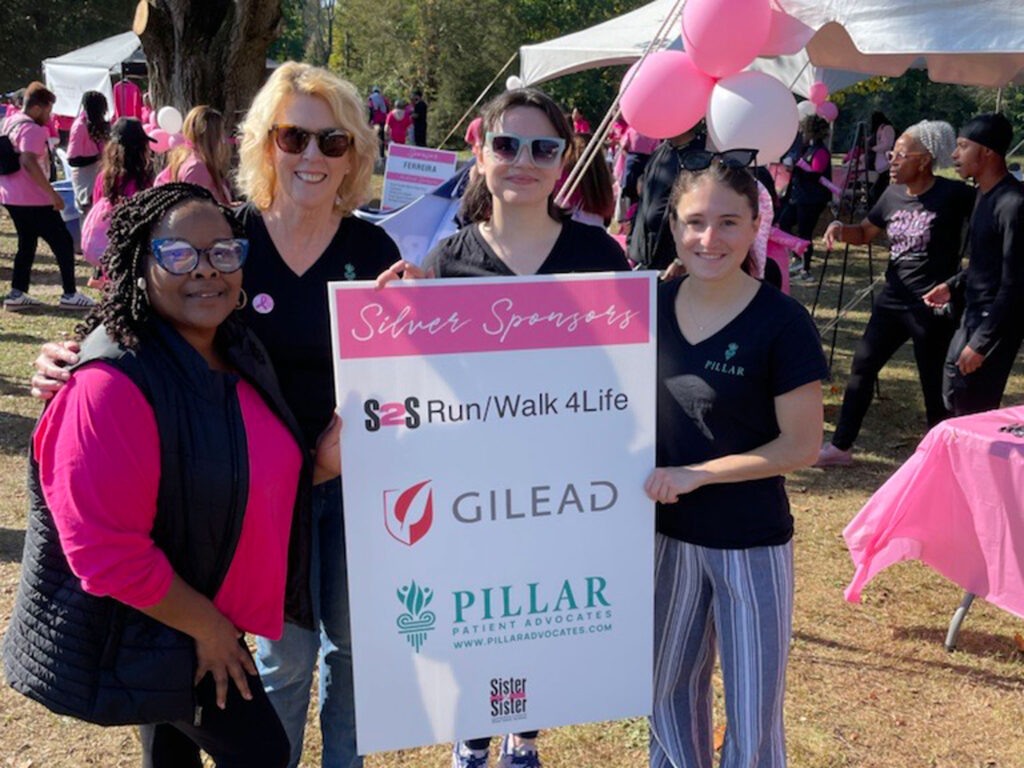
717	398
925	236
806	187
994	277
579	248
289	312
419	122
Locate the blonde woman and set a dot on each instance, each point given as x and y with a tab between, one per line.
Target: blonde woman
306	159
205	157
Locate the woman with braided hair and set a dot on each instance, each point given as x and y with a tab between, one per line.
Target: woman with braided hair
150	553
924	217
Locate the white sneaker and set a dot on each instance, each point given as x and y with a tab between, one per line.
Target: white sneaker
464	757
830	456
524	756
75	301
16	301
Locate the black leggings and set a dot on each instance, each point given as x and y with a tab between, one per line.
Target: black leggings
479	744
805	216
886	332
245	734
983	389
32	222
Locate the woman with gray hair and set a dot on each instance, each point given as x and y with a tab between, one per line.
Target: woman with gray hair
924	217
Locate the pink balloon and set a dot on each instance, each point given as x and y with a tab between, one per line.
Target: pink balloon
786	35
818	93
163	140
646	106
829	111
724	36
174	140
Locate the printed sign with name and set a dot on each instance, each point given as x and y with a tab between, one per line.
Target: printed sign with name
497	435
414	171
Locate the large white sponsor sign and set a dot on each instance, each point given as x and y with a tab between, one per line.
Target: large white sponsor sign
500	547
414	171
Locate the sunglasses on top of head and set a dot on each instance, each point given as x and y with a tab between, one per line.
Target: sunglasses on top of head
332	142
699	160
545	151
179	257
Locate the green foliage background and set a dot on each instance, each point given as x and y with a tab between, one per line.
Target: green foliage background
452	49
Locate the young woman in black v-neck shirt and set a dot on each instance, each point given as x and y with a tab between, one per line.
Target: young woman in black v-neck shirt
514	228
739	405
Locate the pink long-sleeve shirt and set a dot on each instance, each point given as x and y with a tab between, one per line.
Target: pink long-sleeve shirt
99	465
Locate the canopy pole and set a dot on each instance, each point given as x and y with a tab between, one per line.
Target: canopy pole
597	140
479	98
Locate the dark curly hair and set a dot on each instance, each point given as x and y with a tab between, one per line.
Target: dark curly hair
95	105
125	159
124	311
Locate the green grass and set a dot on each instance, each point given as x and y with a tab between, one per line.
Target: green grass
869	685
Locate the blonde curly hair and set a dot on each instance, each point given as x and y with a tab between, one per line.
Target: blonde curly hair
257	175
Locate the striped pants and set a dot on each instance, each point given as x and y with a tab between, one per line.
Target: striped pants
742	601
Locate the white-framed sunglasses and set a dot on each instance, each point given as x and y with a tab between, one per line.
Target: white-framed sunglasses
545	151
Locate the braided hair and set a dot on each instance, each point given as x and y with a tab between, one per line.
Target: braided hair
125	311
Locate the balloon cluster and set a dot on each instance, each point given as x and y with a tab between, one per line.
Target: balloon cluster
165	127
668	92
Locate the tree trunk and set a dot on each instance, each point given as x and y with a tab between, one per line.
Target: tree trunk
209	52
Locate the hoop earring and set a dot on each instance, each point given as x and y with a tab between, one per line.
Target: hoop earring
243	299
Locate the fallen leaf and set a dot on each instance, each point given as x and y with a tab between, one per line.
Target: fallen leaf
1018	640
719	737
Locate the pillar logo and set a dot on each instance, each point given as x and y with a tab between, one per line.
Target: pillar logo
416	621
409	514
508	699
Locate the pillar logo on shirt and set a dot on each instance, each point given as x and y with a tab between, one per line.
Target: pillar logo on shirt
350	272
726	367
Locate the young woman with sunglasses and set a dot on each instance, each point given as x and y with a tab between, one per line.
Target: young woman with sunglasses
305	164
739	405
168	479
924	217
515	229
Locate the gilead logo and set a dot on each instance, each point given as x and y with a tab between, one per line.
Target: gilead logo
409	514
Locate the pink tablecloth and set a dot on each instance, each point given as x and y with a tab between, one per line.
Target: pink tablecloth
957	505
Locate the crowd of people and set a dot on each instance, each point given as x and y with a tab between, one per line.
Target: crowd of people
185	475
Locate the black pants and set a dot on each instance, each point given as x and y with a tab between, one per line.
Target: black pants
983	389
32	222
887	331
245	734
805	216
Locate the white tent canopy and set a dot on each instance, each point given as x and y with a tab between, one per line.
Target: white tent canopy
972	43
88	69
624	39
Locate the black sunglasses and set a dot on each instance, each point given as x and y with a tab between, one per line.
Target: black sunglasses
332	142
179	257
700	159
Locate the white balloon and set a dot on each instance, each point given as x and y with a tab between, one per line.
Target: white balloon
513	82
169	119
806	109
752	110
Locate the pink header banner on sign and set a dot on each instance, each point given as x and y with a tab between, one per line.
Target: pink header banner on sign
420	153
461	316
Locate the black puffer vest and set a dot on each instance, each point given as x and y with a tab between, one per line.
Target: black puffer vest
96	658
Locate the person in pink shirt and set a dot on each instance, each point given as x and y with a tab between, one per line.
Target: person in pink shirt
174	477
205	157
396	126
35	206
580	124
89	133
